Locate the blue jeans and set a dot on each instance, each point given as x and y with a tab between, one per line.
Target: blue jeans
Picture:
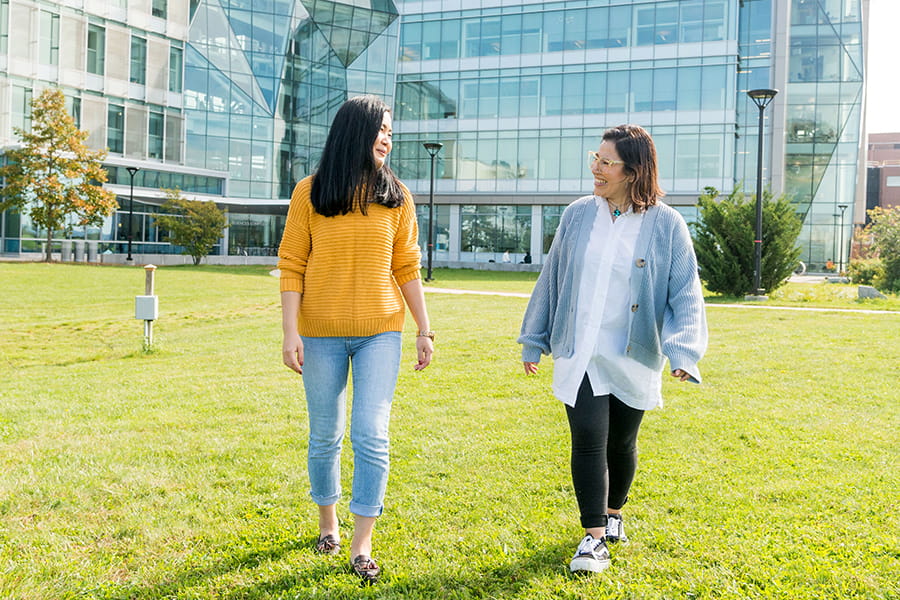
326	363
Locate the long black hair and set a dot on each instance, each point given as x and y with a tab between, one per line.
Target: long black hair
348	178
636	149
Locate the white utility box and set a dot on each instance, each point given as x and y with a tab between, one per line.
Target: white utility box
146	307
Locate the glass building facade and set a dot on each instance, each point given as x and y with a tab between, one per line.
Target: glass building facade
518	92
824	153
231	100
226	100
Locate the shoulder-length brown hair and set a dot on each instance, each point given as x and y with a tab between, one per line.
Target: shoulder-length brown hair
636	149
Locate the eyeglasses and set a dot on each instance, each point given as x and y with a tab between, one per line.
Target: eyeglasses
604	162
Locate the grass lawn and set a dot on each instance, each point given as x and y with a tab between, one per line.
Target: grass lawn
180	473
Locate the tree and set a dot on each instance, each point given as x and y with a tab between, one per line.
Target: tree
194	224
53	175
723	240
885	231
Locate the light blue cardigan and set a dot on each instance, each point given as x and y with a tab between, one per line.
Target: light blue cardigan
668	318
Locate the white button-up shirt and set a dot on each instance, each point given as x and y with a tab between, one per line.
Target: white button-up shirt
601	320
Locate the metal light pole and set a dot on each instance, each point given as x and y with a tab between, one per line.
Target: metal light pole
131	171
843	207
834	241
761	98
433	148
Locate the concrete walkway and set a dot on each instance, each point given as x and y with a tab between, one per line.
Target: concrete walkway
750	306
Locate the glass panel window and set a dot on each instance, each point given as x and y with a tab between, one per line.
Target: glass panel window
431	46
551	216
529	99
531	33
595	93
689	88
450	39
4	26
155	129
411	41
138	60
490	37
176	63
554	28
664	89
160	8
511	34
597	27
495	230
73	105
96	49
715	86
115	128
440	220
617	85
49	38
642	90
619	26
471	37
710	162
21	108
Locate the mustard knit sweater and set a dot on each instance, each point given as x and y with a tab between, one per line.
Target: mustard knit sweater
348	268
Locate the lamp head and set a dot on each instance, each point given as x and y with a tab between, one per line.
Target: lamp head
132	170
433	148
762	97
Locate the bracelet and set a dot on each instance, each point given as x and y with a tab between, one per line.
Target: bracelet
428	334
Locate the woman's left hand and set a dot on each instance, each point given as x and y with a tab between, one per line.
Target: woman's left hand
424	352
681	374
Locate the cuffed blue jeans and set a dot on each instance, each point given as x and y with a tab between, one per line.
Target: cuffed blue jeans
375	364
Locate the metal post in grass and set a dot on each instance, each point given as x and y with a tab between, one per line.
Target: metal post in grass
761	98
146	307
433	148
131	171
843	207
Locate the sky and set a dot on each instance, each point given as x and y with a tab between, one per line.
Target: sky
883	87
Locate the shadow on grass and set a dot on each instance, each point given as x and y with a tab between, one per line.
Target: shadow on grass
177	583
330	578
492	581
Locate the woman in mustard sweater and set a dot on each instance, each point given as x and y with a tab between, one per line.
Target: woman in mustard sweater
349	258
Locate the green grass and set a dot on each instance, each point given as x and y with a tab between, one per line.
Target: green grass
807	295
180	473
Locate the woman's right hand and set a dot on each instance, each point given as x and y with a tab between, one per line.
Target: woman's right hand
530	368
292	352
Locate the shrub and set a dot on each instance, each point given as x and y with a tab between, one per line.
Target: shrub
865	272
885	231
723	240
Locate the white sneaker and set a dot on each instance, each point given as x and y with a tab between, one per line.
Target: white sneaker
592	556
615	529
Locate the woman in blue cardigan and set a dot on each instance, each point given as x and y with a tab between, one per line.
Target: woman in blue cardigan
618	294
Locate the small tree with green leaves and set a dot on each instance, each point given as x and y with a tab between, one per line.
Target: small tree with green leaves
884	229
194	224
723	240
53	176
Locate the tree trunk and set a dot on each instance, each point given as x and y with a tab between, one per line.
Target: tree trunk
48	256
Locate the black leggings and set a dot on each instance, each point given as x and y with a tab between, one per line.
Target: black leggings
604	452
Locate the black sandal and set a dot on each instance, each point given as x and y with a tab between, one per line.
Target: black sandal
328	544
365	568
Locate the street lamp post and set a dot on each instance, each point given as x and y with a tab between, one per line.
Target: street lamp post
761	98
843	207
131	171
433	148
834	241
